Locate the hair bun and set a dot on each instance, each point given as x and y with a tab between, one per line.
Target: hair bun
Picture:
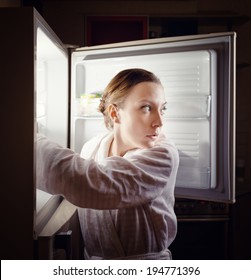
101	107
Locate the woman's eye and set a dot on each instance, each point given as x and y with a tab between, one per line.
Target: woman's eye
163	110
146	108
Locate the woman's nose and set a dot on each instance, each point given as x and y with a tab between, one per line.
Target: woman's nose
157	121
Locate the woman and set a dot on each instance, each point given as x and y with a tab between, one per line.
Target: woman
124	182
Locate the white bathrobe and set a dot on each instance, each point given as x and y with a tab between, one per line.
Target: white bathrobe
126	202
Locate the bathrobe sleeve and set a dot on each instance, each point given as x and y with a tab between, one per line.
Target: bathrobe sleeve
116	182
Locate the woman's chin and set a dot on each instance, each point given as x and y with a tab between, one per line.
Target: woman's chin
148	144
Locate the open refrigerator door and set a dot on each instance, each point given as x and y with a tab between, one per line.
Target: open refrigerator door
51	88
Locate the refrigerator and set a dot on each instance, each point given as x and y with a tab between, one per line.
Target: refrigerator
56	90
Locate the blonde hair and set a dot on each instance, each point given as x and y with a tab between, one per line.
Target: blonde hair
118	88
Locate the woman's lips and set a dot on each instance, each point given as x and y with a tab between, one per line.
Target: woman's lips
152	136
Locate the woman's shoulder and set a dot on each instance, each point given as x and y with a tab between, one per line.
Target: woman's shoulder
164	152
93	144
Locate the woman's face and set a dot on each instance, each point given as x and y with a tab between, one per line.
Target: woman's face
140	118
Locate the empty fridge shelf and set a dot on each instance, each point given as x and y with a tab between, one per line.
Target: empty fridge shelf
188	107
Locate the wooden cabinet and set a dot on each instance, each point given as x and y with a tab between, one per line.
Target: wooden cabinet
113	29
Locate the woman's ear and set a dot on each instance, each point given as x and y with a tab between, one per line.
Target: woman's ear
113	113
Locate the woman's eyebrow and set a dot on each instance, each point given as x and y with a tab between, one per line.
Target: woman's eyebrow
145	100
150	101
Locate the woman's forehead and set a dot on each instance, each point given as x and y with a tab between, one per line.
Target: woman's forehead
146	91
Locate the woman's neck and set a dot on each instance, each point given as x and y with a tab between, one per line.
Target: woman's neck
117	148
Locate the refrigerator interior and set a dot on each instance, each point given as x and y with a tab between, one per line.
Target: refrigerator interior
51	81
189	87
198	75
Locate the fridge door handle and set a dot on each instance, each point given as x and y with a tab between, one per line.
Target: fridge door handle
209	105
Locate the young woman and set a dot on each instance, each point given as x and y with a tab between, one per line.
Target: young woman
123	182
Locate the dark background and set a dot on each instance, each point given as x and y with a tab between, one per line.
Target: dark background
69	20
